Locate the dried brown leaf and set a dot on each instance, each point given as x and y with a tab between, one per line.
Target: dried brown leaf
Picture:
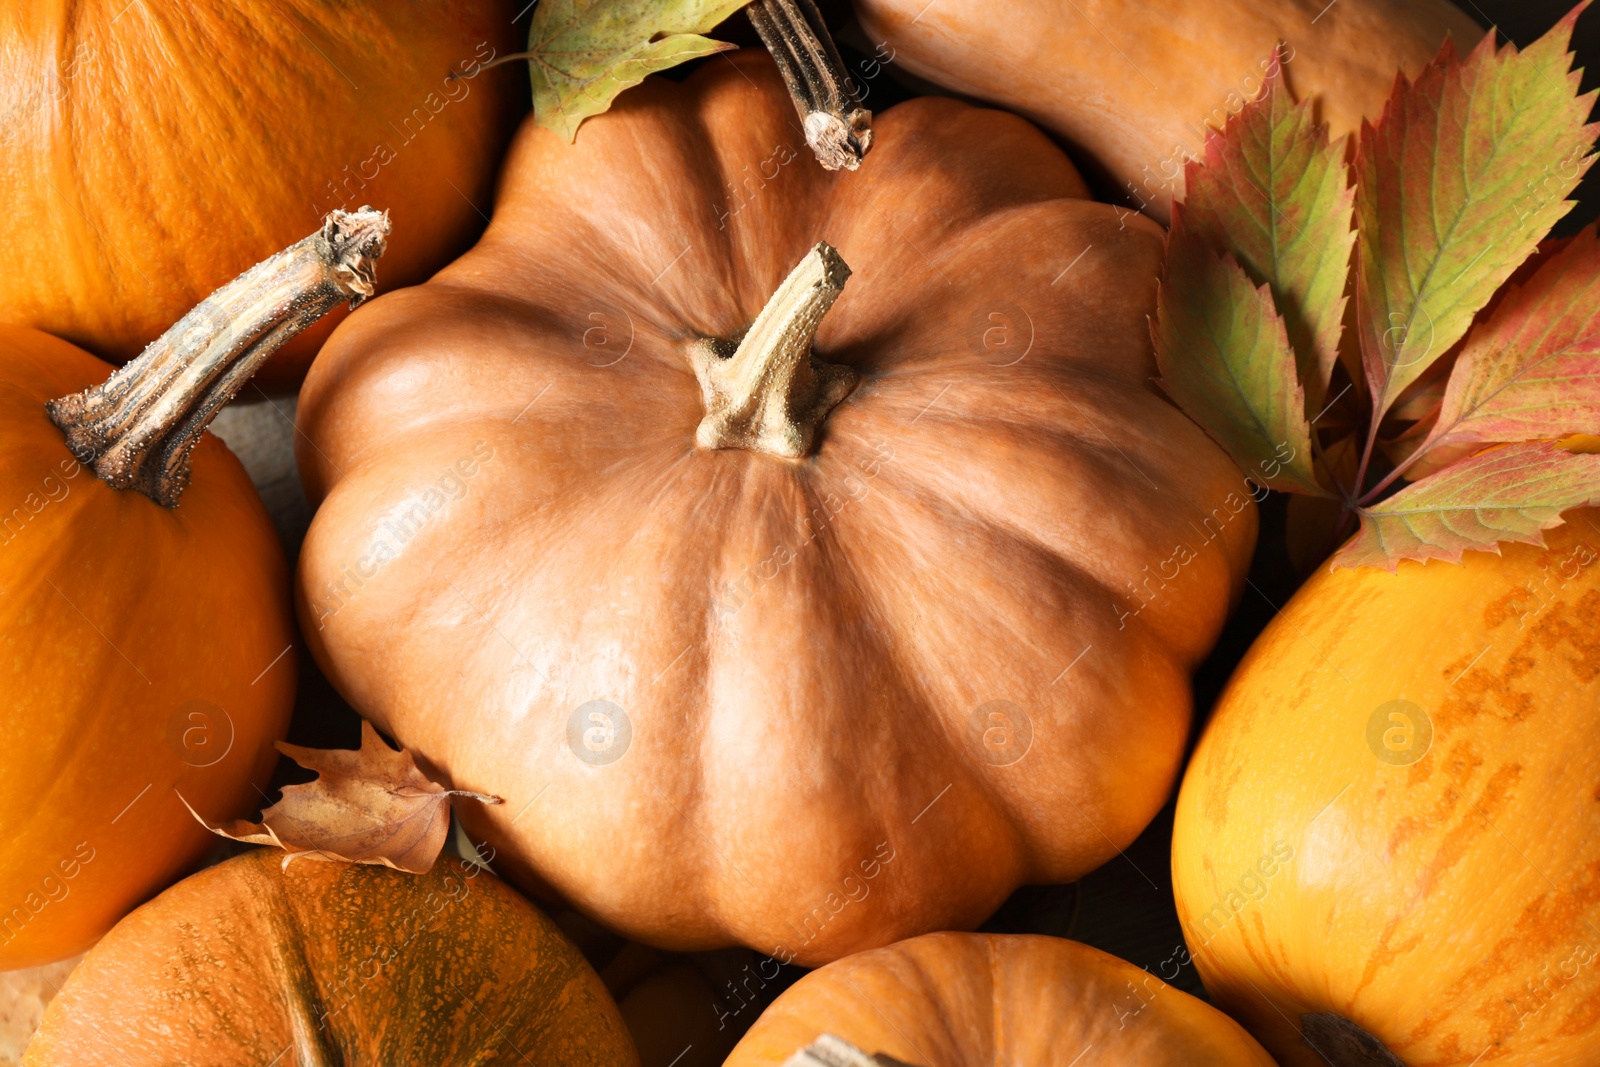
368	805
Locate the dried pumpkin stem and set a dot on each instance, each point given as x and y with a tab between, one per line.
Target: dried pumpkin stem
137	428
767	393
1343	1043
831	1051
838	128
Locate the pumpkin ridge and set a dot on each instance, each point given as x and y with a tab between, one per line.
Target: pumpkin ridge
925	987
998	1036
703	92
935	498
303	1003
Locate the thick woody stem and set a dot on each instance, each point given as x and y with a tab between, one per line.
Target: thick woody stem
137	428
768	393
837	127
831	1051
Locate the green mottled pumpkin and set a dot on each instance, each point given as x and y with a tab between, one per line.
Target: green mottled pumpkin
329	964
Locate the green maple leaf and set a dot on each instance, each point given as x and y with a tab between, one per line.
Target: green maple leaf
1510	493
583	53
1272	191
1224	356
1469	167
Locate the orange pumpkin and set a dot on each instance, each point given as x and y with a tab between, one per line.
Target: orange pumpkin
146	649
333	963
1389	834
156	149
690	1010
808	652
1132	85
964	1000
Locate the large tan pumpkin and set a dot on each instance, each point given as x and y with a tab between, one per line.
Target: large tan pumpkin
1388	841
1133	85
329	964
812	703
991	1000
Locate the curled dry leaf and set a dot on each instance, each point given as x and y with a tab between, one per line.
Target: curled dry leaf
370	805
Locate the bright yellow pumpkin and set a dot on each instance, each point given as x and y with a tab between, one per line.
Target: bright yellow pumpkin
1390	832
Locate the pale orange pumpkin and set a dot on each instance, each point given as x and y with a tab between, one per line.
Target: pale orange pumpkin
146	635
155	149
332	963
1387	842
975	1000
884	633
1132	86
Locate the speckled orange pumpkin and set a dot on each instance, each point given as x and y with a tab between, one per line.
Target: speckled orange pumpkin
332	963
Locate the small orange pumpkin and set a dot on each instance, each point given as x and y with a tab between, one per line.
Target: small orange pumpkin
153	150
965	1000
146	636
690	1010
333	963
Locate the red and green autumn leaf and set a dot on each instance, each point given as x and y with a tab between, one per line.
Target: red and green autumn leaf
1224	350
1509	493
1467	170
1276	194
1470	165
1535	363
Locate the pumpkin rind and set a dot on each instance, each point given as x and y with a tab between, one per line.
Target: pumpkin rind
157	149
971	1000
364	966
1429	878
146	654
515	522
1132	85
